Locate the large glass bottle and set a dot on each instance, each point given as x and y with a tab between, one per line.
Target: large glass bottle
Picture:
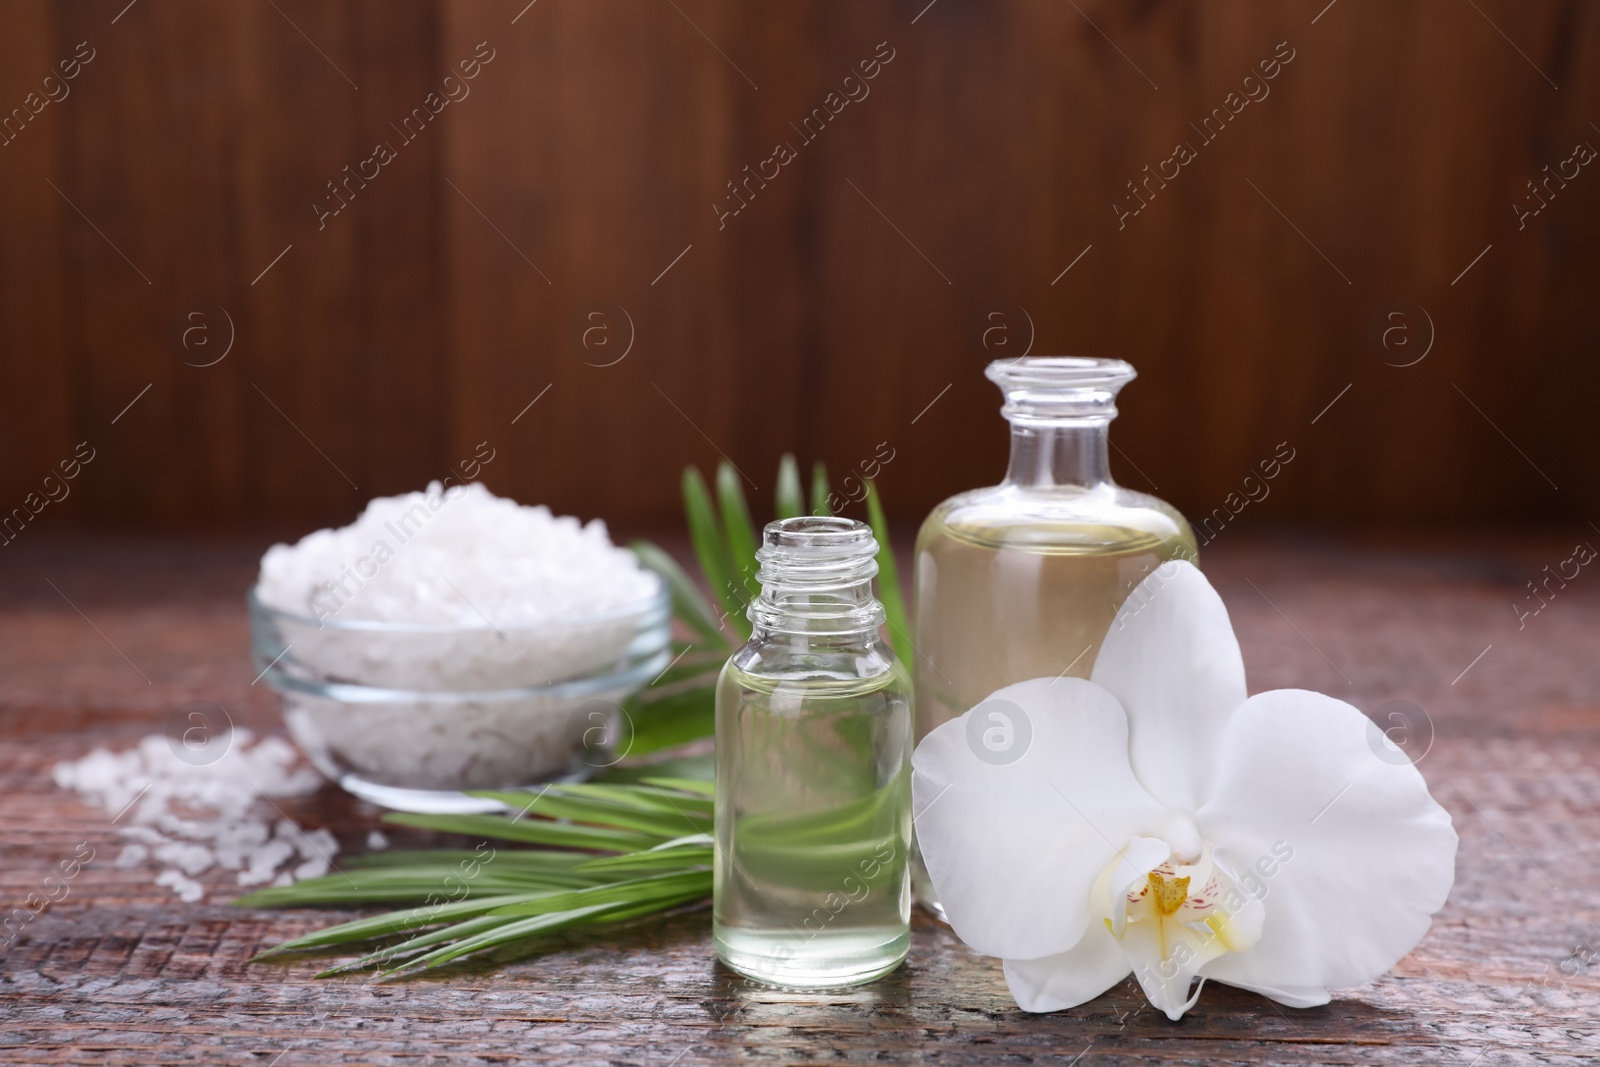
813	809
1022	580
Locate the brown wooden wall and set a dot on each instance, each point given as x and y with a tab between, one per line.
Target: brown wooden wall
581	175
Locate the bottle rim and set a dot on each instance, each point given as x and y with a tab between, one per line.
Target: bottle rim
817	537
1060	389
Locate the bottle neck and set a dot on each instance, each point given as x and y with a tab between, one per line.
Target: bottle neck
1067	453
816	580
844	611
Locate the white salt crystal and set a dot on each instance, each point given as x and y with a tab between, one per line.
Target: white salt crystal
272	854
320	844
176	827
264	862
258	875
235	838
315	867
188	889
189	818
132	856
444	555
188	858
377	841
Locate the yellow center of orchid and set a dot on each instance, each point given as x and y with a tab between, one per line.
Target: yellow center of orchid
1173	918
1171	891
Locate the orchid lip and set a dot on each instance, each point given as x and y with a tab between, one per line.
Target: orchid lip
1173	917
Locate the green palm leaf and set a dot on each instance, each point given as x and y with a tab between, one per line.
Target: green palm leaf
668	721
530	831
715	563
894	605
819	490
789	502
740	531
687	602
623	851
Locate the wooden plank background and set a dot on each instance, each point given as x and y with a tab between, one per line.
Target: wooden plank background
579	177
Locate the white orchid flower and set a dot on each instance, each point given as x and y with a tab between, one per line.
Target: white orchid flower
1153	820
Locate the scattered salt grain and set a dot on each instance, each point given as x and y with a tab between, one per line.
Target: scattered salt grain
189	858
377	841
132	856
189	818
322	844
188	889
265	861
312	868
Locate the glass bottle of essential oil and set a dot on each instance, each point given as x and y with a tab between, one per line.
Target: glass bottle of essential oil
1022	580
813	809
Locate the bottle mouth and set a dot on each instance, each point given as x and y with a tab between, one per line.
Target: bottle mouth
1060	389
818	551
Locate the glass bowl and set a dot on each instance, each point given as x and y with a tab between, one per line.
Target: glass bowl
410	715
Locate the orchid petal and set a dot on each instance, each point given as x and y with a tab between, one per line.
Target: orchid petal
1349	853
1171	658
1065	980
1167	961
1014	848
1239	916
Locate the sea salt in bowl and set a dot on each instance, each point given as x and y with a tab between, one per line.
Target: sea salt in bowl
456	657
417	748
451	641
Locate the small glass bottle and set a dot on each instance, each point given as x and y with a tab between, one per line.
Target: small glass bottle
813	809
1022	580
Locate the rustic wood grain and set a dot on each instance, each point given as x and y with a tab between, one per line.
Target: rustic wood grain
847	296
121	973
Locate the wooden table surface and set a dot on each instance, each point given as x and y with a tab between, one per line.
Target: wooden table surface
121	972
